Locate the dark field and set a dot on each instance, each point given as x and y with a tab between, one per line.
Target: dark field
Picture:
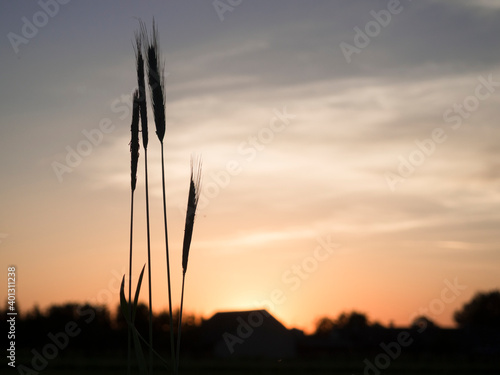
354	366
213	347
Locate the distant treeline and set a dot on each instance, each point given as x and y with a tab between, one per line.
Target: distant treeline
92	331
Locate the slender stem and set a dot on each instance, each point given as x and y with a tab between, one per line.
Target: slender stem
180	325
149	267
172	341
129	356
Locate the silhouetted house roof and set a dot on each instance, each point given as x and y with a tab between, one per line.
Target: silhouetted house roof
254	333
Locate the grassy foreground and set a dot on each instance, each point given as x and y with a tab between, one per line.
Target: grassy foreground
354	366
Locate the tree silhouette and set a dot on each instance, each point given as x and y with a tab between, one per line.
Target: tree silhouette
422	323
483	311
324	326
353	320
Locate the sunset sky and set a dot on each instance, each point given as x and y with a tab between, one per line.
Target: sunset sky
351	154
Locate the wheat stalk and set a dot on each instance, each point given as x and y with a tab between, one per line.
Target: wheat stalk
156	86
141	84
156	82
144	129
134	152
193	197
134	142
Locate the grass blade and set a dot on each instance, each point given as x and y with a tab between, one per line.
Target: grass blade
137	291
125	308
